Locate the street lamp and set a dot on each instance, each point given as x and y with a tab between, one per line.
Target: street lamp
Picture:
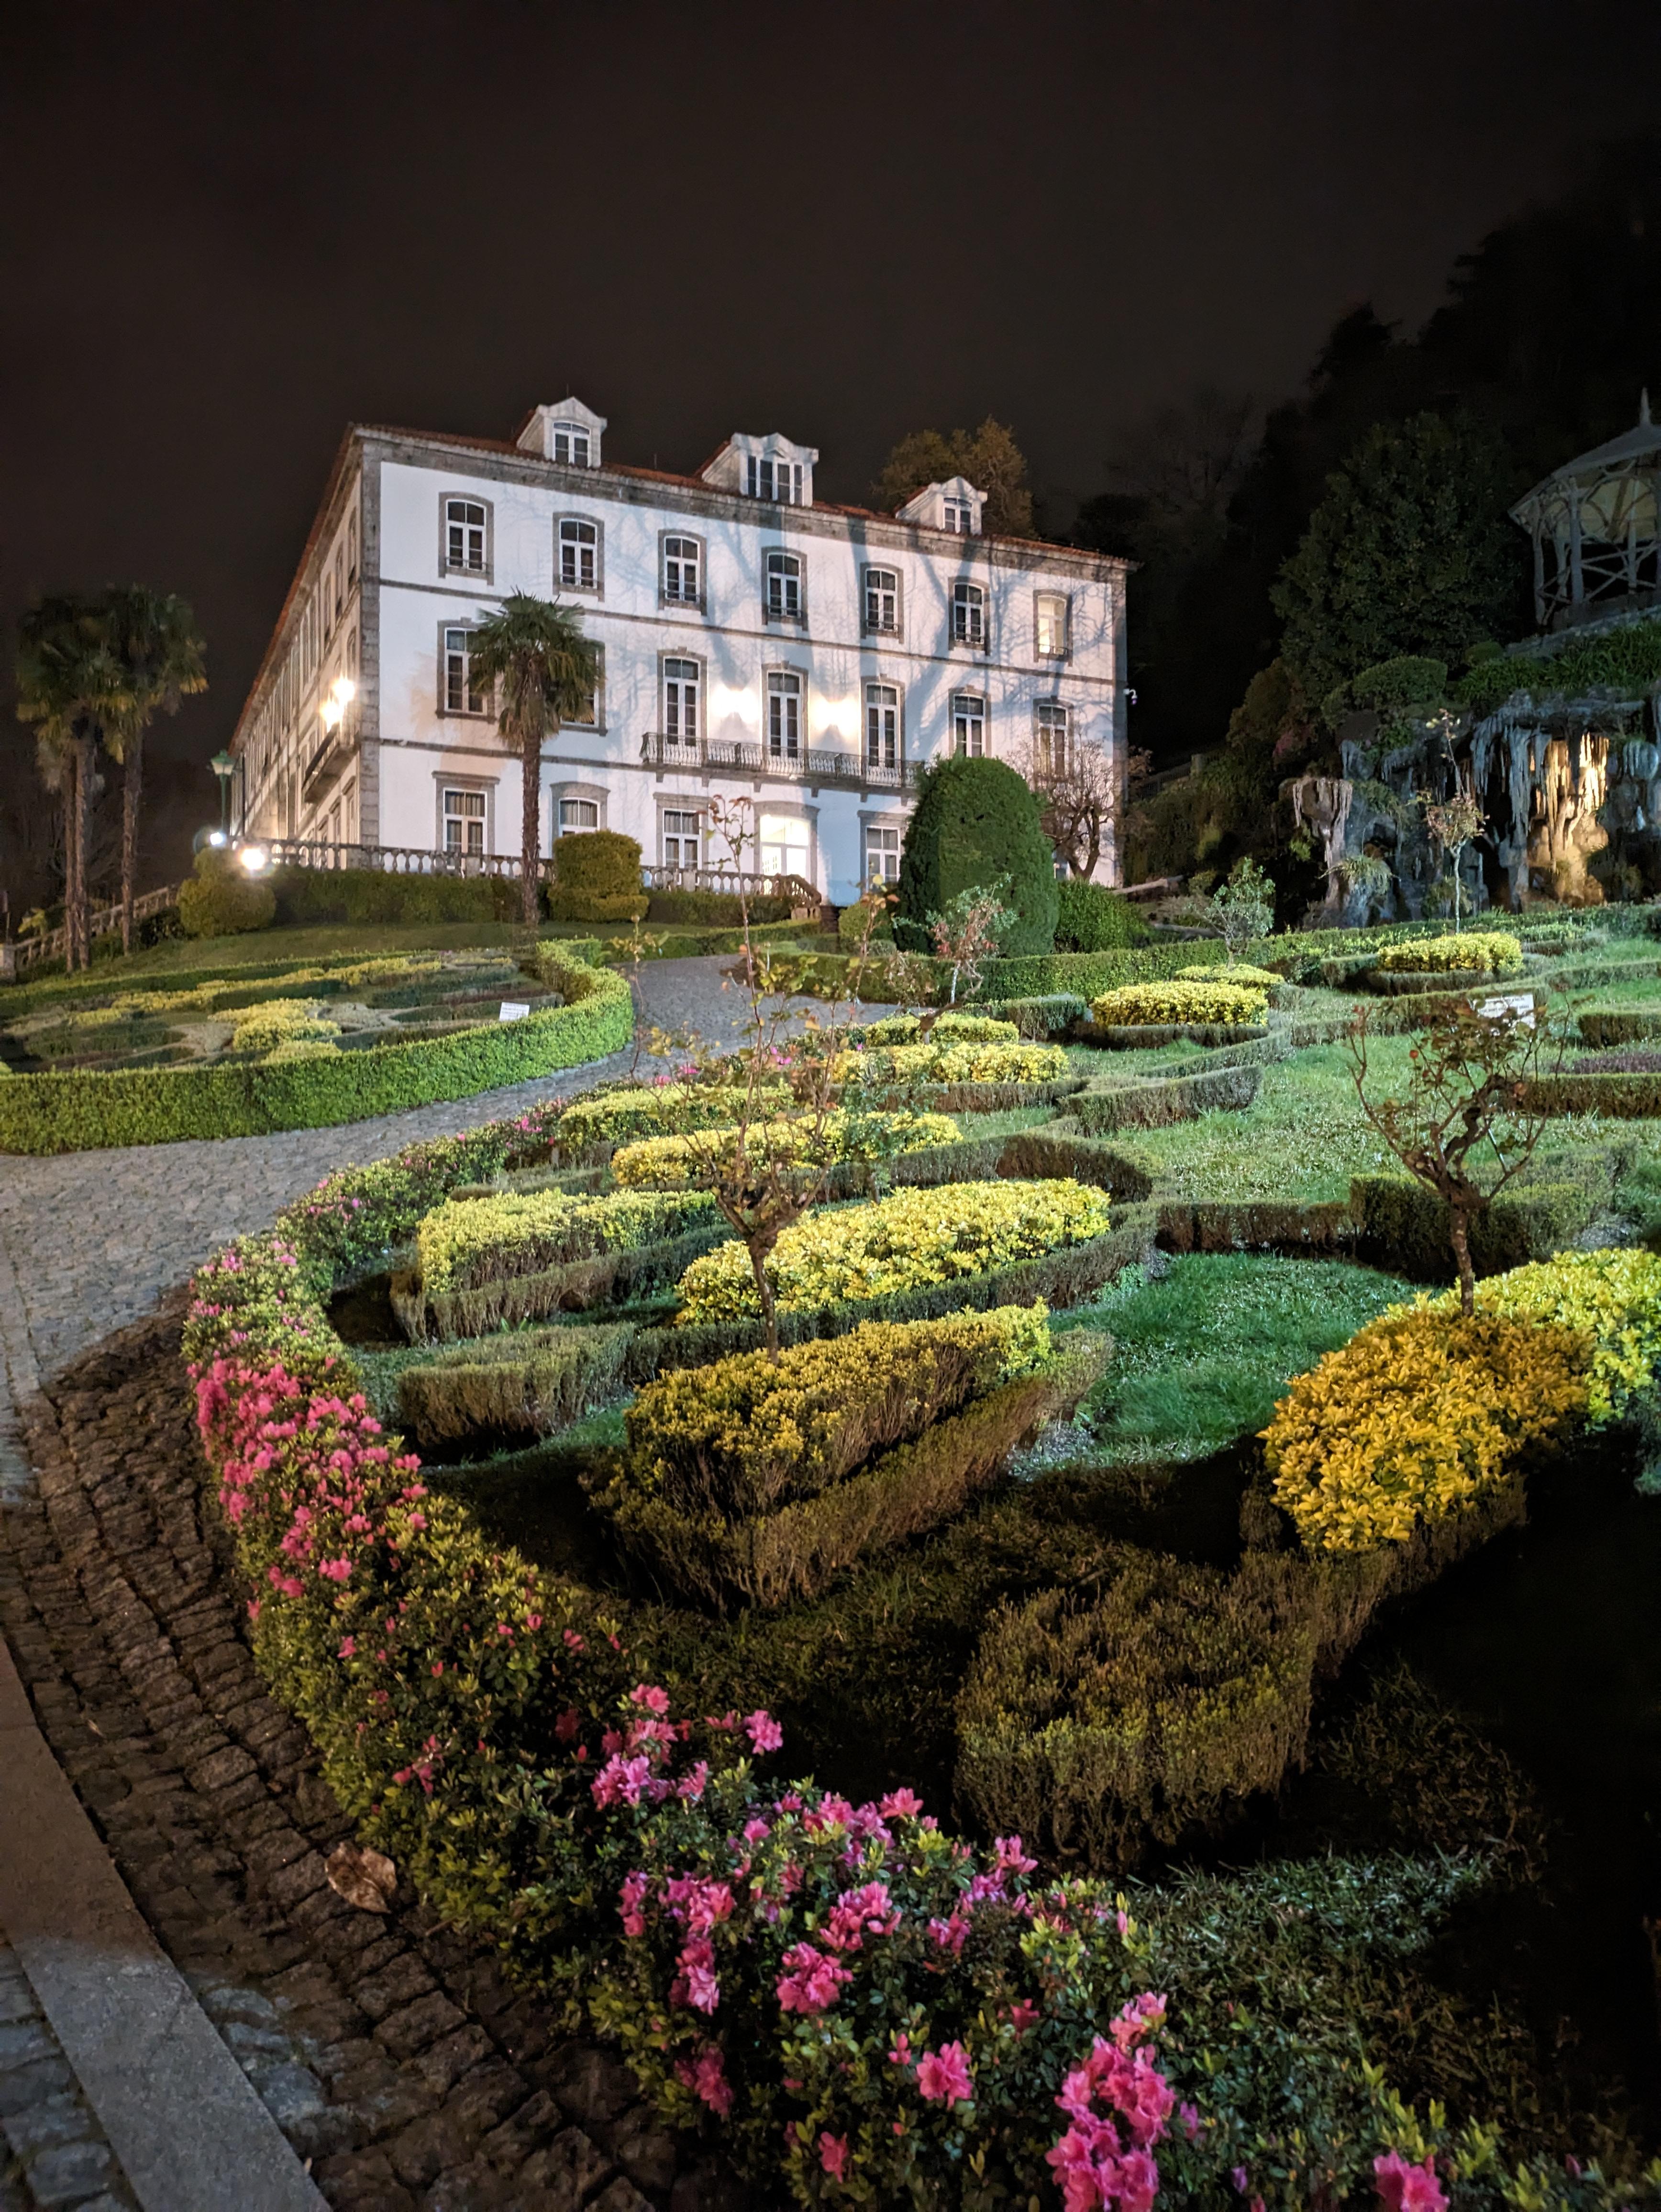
224	767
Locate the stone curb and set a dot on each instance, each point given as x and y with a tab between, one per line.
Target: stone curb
180	2115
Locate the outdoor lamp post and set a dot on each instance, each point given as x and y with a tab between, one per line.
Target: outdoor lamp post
224	767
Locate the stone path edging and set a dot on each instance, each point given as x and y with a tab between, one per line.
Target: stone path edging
179	2113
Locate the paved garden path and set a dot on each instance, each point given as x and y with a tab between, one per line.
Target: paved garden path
397	2067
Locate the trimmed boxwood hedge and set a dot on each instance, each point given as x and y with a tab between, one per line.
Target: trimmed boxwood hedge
1404	1226
1622	1098
85	1110
1125	1037
1101	1108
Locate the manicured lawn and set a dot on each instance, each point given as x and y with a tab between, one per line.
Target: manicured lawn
1203	1353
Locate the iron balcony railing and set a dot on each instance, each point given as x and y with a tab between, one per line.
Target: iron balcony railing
799	764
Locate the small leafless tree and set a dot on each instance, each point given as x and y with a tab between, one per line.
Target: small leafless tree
1467	1099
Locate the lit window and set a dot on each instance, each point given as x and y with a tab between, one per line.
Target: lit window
579	544
783	588
578	814
461	695
571	445
882	725
1051	610
680	703
968	724
784	717
683	571
960	517
464	535
464	821
680	839
766	479
787	846
882	600
882	855
968	614
1049	738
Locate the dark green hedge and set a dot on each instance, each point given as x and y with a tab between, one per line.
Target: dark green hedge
313	896
81	1112
1088	974
1404	1226
1623	1097
1102	1108
713	910
1143	1037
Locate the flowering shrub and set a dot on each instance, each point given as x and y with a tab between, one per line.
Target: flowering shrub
1612	1298
1146	1005
910	1238
1419	1416
1474	951
949	1061
669	1163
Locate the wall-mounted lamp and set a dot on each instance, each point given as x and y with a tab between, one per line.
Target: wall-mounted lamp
333	708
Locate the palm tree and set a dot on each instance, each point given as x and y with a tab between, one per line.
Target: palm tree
156	641
72	688
546	672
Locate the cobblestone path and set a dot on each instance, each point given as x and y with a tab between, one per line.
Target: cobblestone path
53	2151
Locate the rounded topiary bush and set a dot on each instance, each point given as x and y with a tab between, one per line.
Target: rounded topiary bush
1092	919
222	899
598	878
976	822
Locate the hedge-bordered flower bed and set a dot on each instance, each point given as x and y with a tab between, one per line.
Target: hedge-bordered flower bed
84	1110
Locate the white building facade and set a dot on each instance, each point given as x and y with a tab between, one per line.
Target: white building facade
755	643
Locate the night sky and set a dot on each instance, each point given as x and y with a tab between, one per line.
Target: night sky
229	230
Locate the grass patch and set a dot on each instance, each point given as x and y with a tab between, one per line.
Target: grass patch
1203	1353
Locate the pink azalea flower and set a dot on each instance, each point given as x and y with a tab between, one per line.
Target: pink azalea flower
833	2155
899	1804
943	2075
706	2077
655	1699
813	1981
764	1732
1404	2188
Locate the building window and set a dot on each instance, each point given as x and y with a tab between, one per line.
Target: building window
766	479
783	716
783	588
968	725
787	846
579	556
680	839
1050	622
464	823
466	536
882	855
968	615
578	814
682	681
1049	738
683	571
882	725
351	550
461	695
571	445
960	517
882	601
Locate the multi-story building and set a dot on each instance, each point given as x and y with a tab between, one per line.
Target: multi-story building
754	640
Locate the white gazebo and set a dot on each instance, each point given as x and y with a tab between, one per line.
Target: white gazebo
1595	524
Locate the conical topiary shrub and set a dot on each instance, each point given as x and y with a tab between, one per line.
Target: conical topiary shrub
975	820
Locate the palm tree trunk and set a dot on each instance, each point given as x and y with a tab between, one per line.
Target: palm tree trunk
530	834
71	777
133	785
84	839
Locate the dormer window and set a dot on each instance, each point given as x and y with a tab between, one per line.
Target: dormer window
765	476
958	517
783	600
569	442
566	433
955	506
968	615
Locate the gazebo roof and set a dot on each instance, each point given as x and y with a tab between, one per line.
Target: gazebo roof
1616	456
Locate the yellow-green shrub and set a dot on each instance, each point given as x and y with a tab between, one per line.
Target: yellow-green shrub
1421	1414
671	1162
1612	1298
946	1062
751	1434
1149	1005
477	1240
949	1029
614	1117
1477	951
912	1238
282	1022
1241	972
